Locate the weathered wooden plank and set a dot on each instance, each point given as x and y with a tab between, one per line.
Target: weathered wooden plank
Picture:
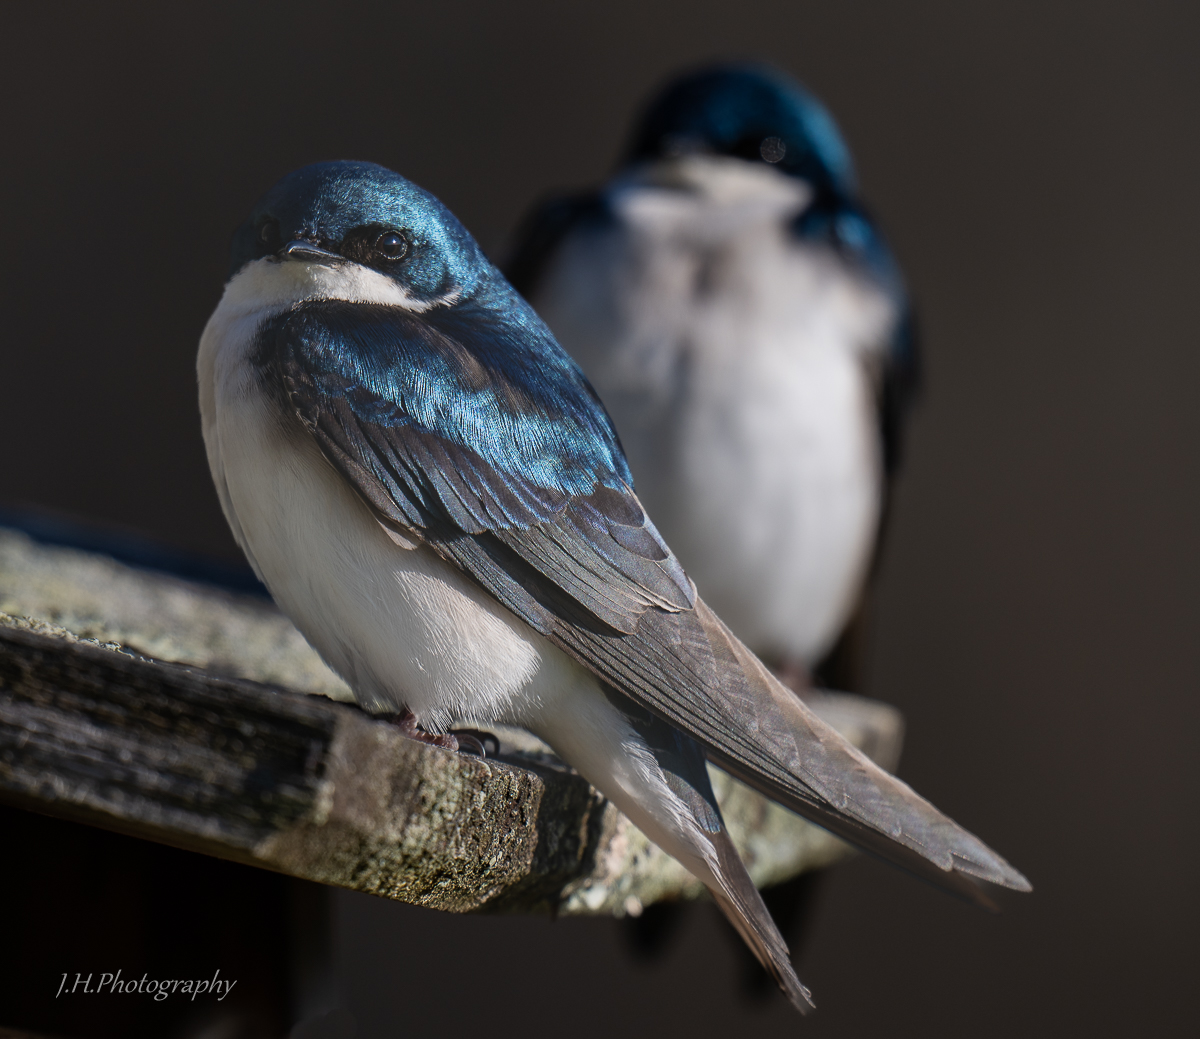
205	759
159	615
279	779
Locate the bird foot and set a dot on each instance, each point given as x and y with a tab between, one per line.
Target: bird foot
476	741
465	741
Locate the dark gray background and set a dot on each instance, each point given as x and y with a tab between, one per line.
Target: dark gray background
1036	165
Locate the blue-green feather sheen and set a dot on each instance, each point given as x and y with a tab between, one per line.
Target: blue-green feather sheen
327	200
731	108
487	377
479	368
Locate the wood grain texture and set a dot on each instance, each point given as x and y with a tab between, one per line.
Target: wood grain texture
205	759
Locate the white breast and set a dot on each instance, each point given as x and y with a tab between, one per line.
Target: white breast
400	625
404	628
736	365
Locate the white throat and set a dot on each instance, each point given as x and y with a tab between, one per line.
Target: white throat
708	198
737	362
269	285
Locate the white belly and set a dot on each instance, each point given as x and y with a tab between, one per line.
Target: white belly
400	625
735	365
404	628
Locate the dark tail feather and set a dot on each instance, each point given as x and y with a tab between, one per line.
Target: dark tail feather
682	760
744	908
825	779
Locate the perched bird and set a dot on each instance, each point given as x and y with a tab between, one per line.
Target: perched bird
740	315
434	494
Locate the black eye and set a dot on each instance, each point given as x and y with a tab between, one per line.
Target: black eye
268	232
391	245
772	149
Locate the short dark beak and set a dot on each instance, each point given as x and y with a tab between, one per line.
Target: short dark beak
299	250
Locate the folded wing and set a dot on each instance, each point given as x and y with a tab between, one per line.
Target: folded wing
478	436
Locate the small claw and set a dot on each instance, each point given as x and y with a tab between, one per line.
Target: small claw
468	744
406	722
465	741
478	741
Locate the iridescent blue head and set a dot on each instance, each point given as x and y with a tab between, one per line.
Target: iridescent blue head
365	214
751	112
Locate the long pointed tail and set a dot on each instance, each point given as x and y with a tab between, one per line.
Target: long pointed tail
799	761
743	906
657	776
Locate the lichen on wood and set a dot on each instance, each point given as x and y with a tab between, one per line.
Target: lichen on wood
189	715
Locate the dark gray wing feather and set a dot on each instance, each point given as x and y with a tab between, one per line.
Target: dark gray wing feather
762	733
600	549
590	572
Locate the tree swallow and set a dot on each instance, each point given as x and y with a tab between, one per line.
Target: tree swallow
742	318
435	495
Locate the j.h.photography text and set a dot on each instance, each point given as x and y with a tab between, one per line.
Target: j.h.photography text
158	989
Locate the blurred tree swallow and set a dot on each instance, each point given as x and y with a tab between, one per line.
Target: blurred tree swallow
742	318
434	494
